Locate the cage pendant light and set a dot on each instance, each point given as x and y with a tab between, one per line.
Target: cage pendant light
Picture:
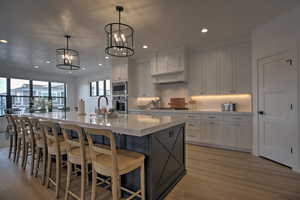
119	38
66	58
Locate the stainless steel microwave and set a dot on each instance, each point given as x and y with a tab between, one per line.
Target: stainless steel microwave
119	88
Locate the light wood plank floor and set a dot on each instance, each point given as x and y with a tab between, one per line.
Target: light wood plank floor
213	174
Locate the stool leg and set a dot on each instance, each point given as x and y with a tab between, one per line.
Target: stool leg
83	181
25	154
37	162
15	147
87	174
33	152
45	156
10	146
115	187
58	172
142	180
69	172
94	183
48	170
18	150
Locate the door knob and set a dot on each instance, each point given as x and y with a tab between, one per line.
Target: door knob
261	112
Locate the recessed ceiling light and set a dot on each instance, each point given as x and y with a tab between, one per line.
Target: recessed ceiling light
3	41
100	64
70	72
106	57
145	46
48	61
36	66
204	30
83	68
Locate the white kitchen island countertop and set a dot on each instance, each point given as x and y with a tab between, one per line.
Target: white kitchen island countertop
128	124
189	111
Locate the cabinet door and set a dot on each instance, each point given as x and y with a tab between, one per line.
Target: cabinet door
161	63
192	131
210	73
174	60
153	63
230	134
225	68
213	129
242	64
245	137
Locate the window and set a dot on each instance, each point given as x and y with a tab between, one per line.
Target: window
3	93
93	88
99	88
20	94
58	96
31	95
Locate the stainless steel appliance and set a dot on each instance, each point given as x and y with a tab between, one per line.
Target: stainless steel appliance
231	107
119	88
120	97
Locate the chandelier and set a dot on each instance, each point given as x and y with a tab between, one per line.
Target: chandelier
119	38
66	58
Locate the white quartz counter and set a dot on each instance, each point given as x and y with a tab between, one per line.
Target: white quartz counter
188	112
130	124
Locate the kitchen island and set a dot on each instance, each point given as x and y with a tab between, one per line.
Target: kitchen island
159	138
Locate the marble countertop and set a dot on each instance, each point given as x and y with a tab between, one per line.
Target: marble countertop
129	124
190	112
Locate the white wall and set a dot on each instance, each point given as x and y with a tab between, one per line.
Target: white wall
83	87
281	34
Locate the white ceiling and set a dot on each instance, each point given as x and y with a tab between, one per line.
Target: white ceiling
34	29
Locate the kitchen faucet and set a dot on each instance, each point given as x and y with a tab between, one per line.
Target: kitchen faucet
99	100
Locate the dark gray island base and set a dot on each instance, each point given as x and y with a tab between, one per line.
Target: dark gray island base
165	160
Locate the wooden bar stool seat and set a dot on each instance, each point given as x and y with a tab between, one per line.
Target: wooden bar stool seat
109	161
74	155
127	162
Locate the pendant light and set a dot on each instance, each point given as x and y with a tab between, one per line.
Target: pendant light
119	38
66	58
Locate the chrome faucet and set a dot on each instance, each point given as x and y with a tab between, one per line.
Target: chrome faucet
99	100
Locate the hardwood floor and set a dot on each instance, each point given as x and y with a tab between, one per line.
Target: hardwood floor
213	174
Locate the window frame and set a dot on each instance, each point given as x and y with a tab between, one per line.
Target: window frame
97	88
9	97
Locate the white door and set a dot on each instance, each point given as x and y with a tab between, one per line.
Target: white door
278	107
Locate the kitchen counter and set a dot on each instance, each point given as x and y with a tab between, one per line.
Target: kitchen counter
188	111
130	124
160	138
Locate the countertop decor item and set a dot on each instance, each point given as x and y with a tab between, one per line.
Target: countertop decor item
177	103
119	38
81	108
66	58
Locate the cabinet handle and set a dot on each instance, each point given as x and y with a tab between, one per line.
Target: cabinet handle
211	117
211	122
237	118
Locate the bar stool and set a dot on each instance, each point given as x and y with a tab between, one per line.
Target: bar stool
20	140
78	154
13	136
113	162
41	147
57	147
29	143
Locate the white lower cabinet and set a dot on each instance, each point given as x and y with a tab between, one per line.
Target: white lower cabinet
236	133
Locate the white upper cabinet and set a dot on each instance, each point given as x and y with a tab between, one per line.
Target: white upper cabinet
120	70
143	85
223	71
168	66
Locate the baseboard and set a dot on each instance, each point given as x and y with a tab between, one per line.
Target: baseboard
220	146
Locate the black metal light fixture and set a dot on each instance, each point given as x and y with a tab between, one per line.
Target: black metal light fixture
119	38
66	58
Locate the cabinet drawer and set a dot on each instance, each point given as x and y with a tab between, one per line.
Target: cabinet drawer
212	117
234	118
193	116
193	125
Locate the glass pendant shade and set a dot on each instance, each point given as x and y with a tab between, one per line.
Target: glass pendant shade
119	38
66	58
